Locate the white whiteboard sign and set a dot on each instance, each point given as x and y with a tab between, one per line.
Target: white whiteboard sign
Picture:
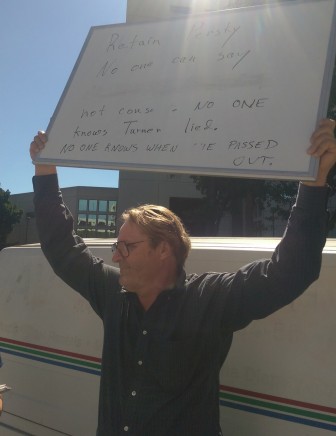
230	93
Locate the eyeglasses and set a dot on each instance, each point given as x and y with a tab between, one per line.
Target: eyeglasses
122	247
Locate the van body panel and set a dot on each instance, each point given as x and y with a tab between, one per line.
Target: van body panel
279	377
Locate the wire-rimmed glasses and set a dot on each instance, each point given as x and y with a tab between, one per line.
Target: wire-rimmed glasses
122	247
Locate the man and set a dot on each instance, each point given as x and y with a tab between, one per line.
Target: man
166	335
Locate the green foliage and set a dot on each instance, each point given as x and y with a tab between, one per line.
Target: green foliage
9	215
242	198
280	196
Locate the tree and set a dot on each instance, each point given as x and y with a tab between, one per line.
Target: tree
280	197
9	215
242	198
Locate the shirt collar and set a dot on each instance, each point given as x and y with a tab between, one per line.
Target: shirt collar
179	286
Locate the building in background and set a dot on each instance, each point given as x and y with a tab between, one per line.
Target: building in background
94	210
175	191
178	191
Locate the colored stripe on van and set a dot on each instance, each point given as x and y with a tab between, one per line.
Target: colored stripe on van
51	356
299	412
313	415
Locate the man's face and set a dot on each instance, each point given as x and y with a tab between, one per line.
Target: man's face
141	265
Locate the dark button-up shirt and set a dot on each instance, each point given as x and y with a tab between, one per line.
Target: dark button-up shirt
160	368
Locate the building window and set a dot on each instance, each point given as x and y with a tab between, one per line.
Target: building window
112	206
81	222
96	218
82	205
101	223
93	205
102	206
189	210
92	221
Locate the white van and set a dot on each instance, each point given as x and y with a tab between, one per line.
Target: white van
279	378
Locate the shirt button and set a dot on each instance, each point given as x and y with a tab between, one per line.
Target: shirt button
126	428
140	362
133	393
144	332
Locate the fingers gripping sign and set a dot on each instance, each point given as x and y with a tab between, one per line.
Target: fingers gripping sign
38	144
323	146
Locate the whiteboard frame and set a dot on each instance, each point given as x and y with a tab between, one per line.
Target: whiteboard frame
310	174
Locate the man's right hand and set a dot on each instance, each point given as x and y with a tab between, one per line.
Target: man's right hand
36	146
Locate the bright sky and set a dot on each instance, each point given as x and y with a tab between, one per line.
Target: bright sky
40	41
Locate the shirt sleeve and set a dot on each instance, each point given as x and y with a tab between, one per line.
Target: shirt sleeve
262	287
65	251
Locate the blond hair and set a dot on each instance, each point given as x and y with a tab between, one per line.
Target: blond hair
161	224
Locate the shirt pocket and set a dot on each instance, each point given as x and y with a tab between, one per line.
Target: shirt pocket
172	363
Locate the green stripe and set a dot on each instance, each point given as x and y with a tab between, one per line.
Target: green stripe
287	409
52	356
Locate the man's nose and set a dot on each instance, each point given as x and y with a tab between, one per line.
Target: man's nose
116	256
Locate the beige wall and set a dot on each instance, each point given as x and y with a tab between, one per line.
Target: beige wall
156	188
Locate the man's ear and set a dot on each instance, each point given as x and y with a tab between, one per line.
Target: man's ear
165	250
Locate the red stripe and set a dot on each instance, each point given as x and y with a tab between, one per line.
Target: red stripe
52	350
279	399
